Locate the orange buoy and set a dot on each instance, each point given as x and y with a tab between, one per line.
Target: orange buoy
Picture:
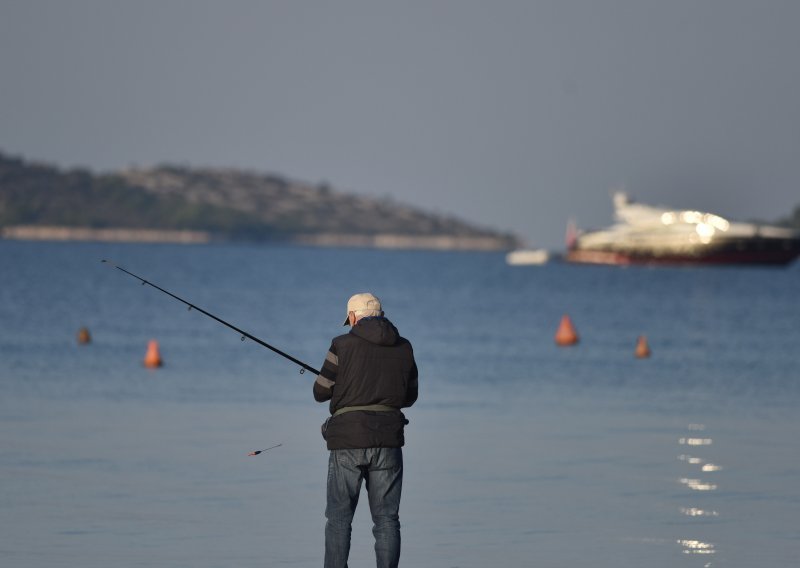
642	348
153	358
84	336
566	334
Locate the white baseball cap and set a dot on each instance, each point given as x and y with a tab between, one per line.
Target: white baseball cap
362	303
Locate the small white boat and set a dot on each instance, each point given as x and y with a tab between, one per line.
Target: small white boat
527	256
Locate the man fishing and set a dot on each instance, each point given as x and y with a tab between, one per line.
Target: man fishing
369	374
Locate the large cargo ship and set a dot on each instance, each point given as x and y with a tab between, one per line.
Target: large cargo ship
644	234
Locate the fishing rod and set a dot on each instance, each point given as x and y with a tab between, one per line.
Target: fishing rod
304	366
256	452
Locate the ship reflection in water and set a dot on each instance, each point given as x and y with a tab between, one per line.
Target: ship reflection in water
644	234
696	464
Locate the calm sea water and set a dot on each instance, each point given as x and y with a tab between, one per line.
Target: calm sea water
519	453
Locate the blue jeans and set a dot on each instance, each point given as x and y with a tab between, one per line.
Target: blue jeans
382	471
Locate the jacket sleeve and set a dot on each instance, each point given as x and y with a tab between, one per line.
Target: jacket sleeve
412	389
323	386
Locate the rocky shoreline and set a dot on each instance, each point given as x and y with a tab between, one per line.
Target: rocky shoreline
380	240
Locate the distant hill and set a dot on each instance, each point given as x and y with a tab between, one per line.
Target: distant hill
43	201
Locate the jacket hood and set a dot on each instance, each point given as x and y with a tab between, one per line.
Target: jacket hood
378	330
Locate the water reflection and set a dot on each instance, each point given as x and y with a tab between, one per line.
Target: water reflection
695	512
695	441
698	485
697	547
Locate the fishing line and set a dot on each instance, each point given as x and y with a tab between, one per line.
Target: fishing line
242	333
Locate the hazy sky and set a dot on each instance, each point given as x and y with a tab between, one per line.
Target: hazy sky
511	114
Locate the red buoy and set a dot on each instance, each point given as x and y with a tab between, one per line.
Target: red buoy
84	337
152	358
642	348
566	334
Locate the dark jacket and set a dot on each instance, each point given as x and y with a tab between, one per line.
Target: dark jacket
370	365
